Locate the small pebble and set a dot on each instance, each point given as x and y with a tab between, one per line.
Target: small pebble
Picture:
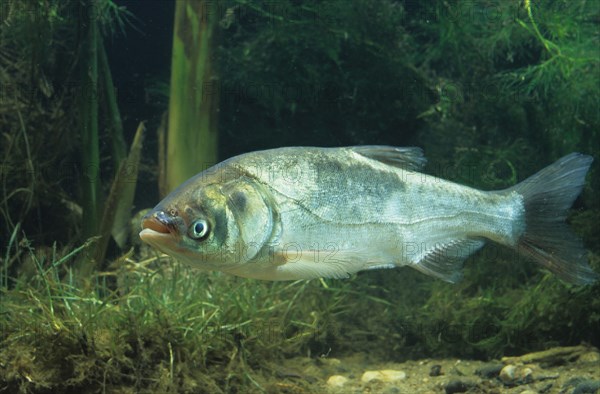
489	371
525	375
385	375
589	357
337	381
457	386
512	375
436	370
507	374
529	392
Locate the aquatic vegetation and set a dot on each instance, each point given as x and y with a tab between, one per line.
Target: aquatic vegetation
517	84
153	326
95	77
492	90
191	143
117	208
318	74
49	113
88	117
513	70
34	129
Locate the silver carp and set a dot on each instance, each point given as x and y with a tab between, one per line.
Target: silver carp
305	212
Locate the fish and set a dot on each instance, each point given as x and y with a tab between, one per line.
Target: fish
310	212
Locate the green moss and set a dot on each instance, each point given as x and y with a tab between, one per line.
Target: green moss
159	327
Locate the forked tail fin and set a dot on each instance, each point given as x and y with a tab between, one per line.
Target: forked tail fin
547	239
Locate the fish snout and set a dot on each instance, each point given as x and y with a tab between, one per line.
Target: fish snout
160	222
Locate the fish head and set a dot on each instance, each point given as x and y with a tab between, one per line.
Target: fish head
211	225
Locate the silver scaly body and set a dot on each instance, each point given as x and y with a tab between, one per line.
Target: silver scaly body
342	213
304	212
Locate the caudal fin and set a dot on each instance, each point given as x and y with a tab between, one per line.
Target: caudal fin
547	239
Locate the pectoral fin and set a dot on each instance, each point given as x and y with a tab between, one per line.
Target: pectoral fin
277	258
445	260
327	263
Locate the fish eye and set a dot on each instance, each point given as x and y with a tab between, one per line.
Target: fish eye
199	229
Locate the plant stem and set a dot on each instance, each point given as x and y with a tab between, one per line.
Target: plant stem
115	128
194	98
90	158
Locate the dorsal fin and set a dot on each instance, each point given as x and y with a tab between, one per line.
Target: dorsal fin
410	158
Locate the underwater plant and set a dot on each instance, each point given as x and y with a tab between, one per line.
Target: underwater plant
492	90
191	143
153	326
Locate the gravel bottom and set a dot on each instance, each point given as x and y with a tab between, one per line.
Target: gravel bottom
574	370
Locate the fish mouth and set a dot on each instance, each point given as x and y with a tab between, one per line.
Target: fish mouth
155	233
161	222
155	224
164	242
158	229
162	237
155	238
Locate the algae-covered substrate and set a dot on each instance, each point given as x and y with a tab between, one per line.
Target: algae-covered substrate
151	325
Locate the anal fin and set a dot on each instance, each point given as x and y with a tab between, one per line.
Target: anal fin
445	260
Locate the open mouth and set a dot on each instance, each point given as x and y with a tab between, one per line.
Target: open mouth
165	242
154	237
154	224
156	231
162	232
